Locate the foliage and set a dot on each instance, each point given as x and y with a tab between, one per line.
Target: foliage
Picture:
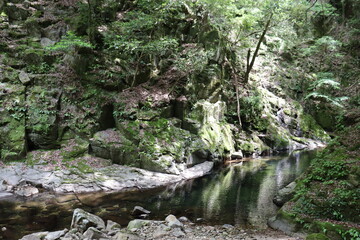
323	9
41	68
325	192
251	111
351	234
322	87
192	60
325	44
68	42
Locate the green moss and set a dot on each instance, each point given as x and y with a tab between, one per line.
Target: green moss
311	129
79	149
330	230
218	137
316	236
247	147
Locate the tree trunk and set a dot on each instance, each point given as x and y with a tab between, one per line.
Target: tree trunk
250	66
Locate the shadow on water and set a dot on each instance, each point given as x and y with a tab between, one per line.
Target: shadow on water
239	194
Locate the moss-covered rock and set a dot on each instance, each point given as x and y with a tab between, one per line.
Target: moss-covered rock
311	129
214	130
317	236
12	121
42	122
110	144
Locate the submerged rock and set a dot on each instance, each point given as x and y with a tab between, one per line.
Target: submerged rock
285	194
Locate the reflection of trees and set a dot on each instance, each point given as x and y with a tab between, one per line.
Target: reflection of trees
263	208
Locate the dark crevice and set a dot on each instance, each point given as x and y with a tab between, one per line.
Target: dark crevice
107	120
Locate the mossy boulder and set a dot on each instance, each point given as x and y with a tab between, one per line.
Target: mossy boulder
214	131
325	118
42	120
311	129
74	148
285	222
16	12
157	145
110	144
250	144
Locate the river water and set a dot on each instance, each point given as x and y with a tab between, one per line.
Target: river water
239	194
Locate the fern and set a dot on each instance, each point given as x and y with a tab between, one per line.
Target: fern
336	101
68	41
326	82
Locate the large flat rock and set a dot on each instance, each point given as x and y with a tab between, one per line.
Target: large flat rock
111	178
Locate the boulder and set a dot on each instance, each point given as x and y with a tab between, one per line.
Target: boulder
173	222
237	155
137	211
198	156
43	117
16	12
214	132
184	219
55	235
111	144
35	236
284	222
26	190
24	78
94	234
82	220
46	42
137	223
111	226
198	170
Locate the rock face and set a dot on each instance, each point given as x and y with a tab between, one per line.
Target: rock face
12	121
138	123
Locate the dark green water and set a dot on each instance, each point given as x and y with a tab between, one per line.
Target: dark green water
239	194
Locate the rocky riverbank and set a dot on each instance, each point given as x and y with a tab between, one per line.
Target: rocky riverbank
88	226
19	179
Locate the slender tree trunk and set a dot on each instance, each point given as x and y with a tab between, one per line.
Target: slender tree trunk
91	9
236	85
238	104
250	65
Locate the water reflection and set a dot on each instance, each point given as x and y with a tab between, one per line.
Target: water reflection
239	194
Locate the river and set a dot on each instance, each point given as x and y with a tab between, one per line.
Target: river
239	194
